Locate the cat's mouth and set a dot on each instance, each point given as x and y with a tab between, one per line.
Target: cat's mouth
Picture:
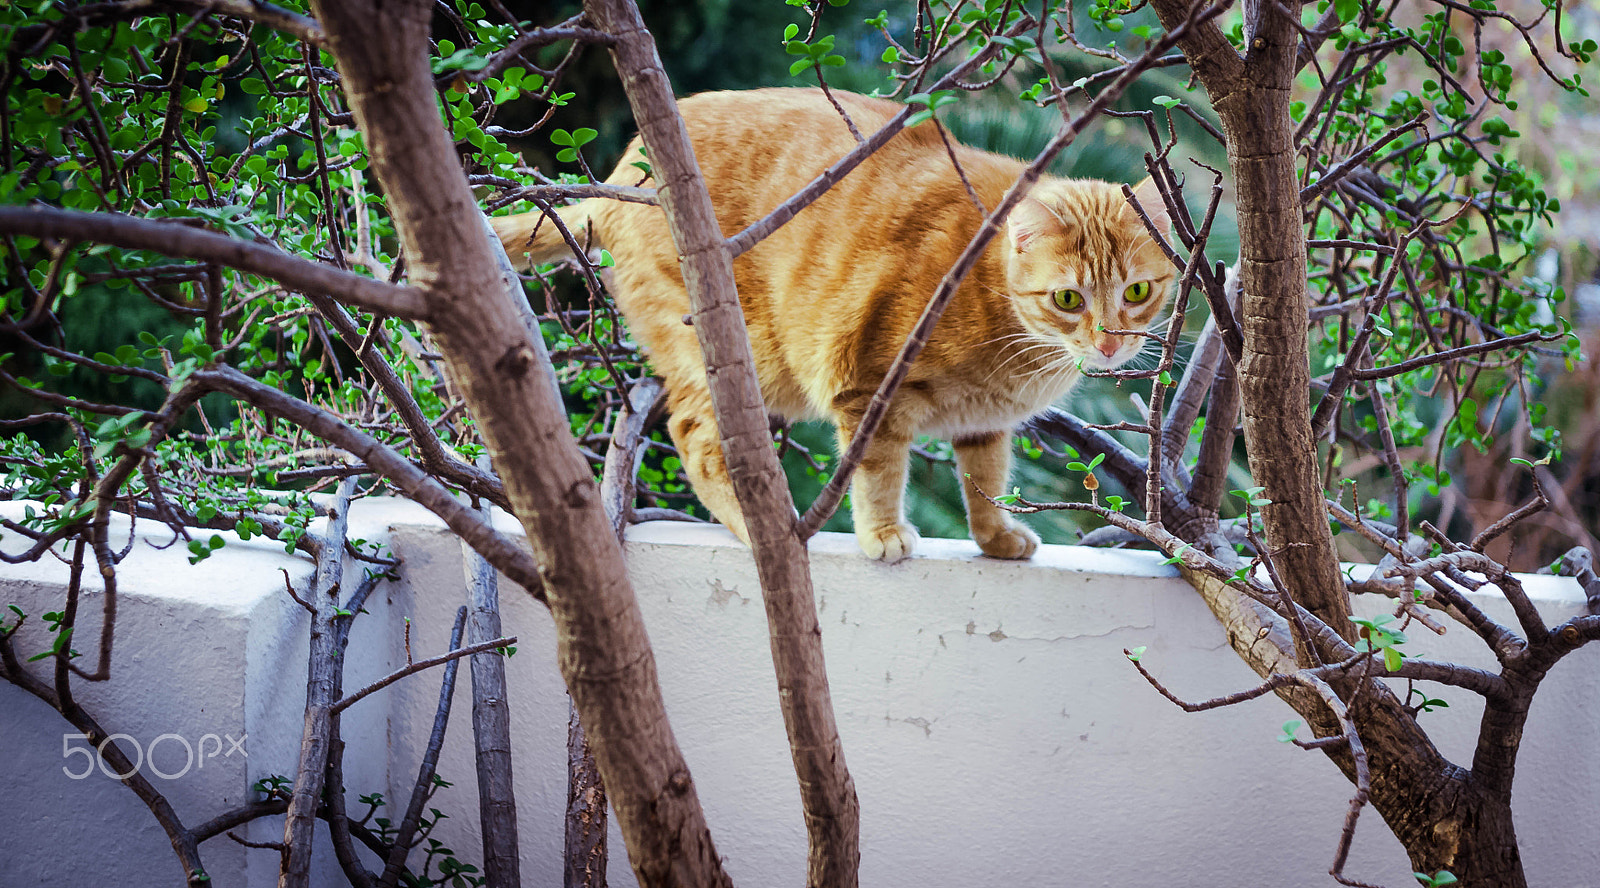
1094	359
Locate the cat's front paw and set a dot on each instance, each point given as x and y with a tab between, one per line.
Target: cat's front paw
1015	540
888	543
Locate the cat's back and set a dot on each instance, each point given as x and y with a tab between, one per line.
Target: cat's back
754	144
755	148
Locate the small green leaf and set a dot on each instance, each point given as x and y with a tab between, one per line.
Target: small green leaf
1289	729
1135	653
1167	102
1392	659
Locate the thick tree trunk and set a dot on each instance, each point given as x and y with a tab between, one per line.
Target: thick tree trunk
1275	375
827	793
381	52
1444	816
1463	828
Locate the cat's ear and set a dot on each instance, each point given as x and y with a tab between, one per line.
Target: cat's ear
1029	219
1149	198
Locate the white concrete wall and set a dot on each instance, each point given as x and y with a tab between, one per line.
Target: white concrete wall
995	732
208	670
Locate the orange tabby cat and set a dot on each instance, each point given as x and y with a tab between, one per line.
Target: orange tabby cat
831	296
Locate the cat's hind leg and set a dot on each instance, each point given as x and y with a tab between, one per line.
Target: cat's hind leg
984	459
693	427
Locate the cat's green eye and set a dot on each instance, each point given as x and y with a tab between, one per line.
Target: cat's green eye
1137	293
1069	300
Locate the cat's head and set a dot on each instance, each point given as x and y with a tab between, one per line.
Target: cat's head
1081	263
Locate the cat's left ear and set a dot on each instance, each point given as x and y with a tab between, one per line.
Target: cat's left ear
1029	219
1149	197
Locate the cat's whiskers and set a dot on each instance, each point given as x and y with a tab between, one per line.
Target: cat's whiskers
999	344
1055	378
1035	343
1065	363
1008	337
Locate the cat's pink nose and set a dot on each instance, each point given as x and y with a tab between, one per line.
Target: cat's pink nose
1109	348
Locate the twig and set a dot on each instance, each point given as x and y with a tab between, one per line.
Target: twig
950	151
430	759
1533	506
269	846
509	558
575	191
1510	586
529	39
288	586
761	228
1578	562
420	665
1464	351
1311	192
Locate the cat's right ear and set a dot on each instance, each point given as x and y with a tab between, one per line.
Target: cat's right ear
1029	219
1150	200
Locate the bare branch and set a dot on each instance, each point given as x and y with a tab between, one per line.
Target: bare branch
89	15
576	191
508	557
626	453
324	674
174	239
1510	586
420	665
1578	562
1454	354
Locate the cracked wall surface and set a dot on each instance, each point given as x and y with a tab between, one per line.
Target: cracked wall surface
995	732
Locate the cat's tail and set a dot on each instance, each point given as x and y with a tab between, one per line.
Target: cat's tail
533	238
